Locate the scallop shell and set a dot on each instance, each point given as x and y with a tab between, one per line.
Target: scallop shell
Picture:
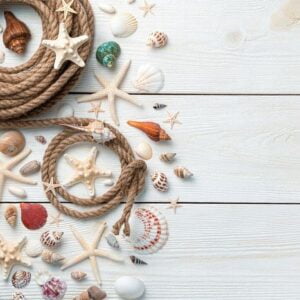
167	156
112	241
12	142
144	151
137	261
149	230
20	279
182	172
129	288
51	239
18	296
123	24
11	214
107	8
51	257
30	168
160	181
34	248
149	79
54	289
18	192
78	275
157	39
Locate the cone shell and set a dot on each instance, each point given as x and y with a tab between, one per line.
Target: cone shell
18	296
21	279
160	181
30	168
182	172
137	261
12	142
123	24
167	156
11	214
51	239
151	129
112	241
16	34
157	39
78	275
51	257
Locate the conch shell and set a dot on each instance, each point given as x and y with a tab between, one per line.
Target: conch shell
16	35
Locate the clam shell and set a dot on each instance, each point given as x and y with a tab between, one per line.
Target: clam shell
149	79
112	241
18	192
21	279
51	239
182	172
18	296
11	214
54	289
144	151
12	142
149	230
34	248
50	257
30	168
157	39
129	288
107	8
160	181
78	275
123	24
167	156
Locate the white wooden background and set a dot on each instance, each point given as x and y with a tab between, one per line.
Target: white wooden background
237	235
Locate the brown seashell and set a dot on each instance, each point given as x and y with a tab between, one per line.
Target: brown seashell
51	239
83	296
11	214
12	142
151	129
160	181
21	279
78	275
167	156
18	296
30	168
182	172
41	139
51	257
157	39
16	34
96	293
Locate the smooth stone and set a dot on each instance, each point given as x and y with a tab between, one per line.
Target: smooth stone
129	288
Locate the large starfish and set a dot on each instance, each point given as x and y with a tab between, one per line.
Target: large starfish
91	252
86	171
5	170
147	8
66	8
111	91
66	47
11	254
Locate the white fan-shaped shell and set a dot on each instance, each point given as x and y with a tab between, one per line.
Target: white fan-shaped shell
149	79
123	24
107	8
148	230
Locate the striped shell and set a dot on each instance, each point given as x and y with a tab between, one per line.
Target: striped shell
51	239
30	168
167	156
123	24
18	296
21	279
157	39
78	275
50	257
160	181
11	214
137	261
112	241
182	172
149	230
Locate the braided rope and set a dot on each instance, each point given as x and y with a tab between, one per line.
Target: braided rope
35	86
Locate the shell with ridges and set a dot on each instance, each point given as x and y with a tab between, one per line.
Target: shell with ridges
112	241
21	279
182	172
11	214
54	289
160	181
167	156
157	39
123	24
18	296
12	142
78	275
51	239
51	257
144	151
30	168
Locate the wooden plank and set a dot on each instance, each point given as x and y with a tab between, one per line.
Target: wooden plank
198	59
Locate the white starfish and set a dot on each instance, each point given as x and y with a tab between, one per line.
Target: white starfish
174	204
172	119
66	8
56	219
111	91
147	8
86	171
5	170
51	186
66	47
96	109
91	252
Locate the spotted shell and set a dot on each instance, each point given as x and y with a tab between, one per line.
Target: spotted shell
182	172
11	214
51	239
50	257
160	181
157	39
21	279
18	296
167	156
30	168
54	289
78	275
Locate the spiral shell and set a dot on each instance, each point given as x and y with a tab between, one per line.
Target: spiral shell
30	168
137	261
157	39
182	172
11	214
18	296
21	279
50	257
167	156
51	239
12	142
78	275
160	181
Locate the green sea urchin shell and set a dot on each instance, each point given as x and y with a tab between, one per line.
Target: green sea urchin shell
107	54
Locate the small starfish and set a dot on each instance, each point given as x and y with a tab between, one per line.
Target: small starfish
66	47
147	8
111	91
174	204
96	108
91	252
172	119
66	8
56	220
5	171
86	171
51	186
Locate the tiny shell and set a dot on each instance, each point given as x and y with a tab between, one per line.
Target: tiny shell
51	257
11	214
157	39
129	288
34	248
107	8
54	289
78	275
18	192
34	216
112	241
137	261
18	296
144	151
30	168
2	57
41	139
182	172
96	293
108	182
167	156
158	106
123	24
160	181
51	239
21	279
12	142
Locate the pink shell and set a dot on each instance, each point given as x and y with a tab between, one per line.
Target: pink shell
54	289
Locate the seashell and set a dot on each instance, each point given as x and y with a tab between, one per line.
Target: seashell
182	172
65	111
160	181
149	230
107	54
18	296
158	106
11	214
157	39
54	289
18	192
130	1
41	139
129	288
51	257
149	79
30	168
34	248
151	129
16	34
123	24
137	261
109	9
42	277
51	239
167	156
2	57
83	296
78	275
12	142
112	241
20	279
108	182
34	216
144	151
96	293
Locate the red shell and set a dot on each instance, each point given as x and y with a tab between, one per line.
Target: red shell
34	216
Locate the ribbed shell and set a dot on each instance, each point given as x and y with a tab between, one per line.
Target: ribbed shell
51	239
157	39
160	181
182	172
123	24
50	257
21	279
167	156
11	214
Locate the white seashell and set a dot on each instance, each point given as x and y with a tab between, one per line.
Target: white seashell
157	39
21	279
160	181
34	248
167	156
182	172
30	168
103	135
149	79
129	288
148	230
65	111
123	24
18	192
51	257
2	57
51	239
144	151
42	277
112	241
107	8
108	182
78	275
18	296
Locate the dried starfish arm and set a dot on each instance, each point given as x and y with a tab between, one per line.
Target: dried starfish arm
128	97
96	96
122	73
80	239
15	160
72	161
102	80
99	234
107	254
95	269
18	177
112	108
75	260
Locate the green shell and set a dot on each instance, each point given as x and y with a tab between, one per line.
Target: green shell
107	54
